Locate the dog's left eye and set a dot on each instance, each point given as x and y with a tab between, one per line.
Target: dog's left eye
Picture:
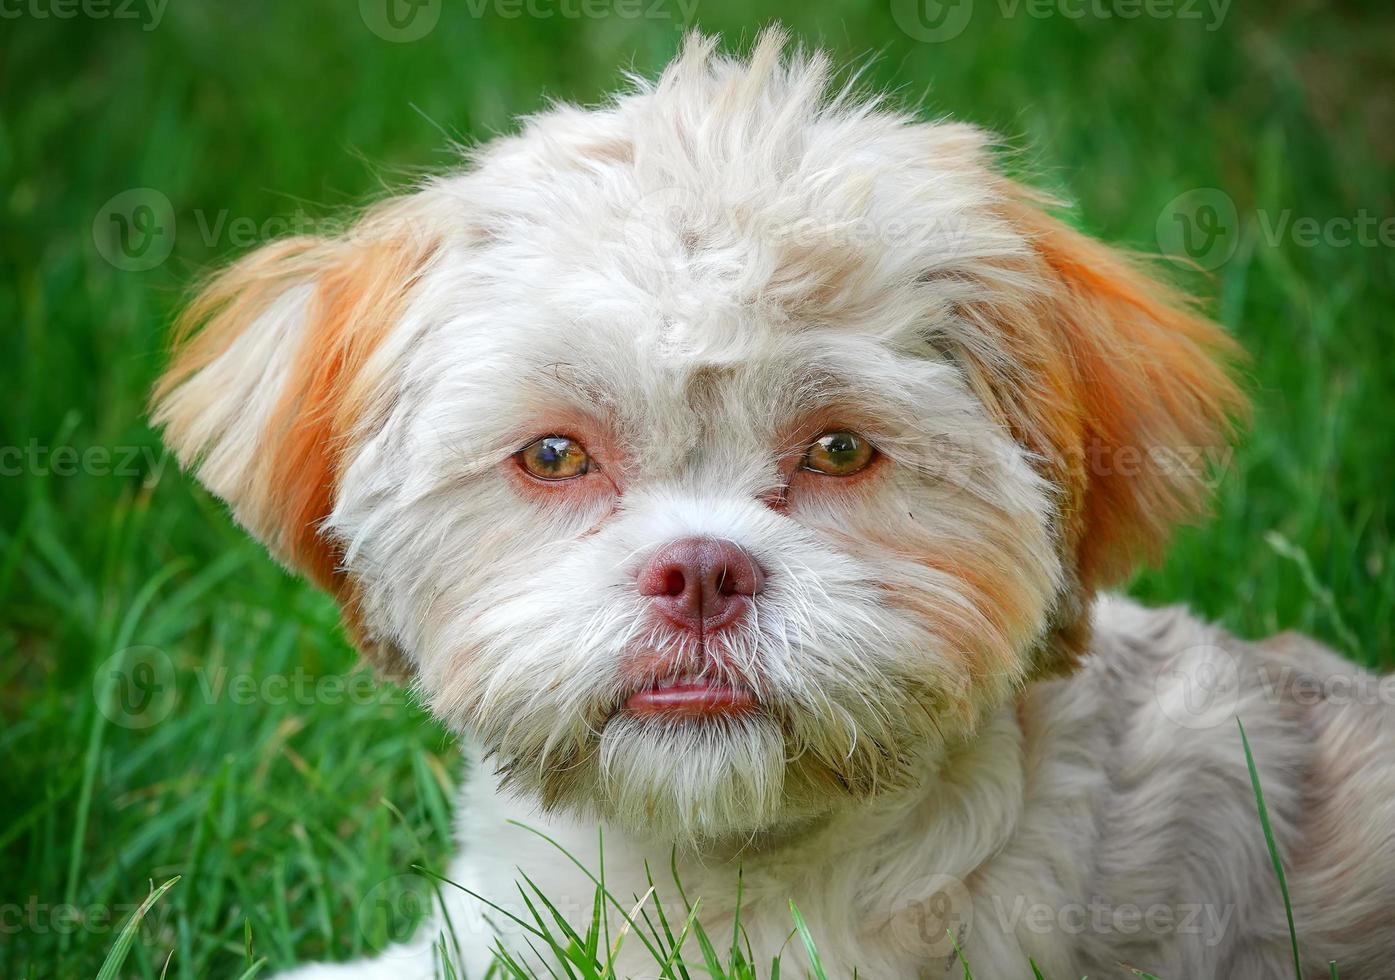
839	454
555	458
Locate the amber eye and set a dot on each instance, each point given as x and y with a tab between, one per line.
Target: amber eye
554	458
839	454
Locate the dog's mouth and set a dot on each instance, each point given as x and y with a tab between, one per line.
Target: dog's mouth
690	696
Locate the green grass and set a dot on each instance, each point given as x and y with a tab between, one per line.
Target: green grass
280	814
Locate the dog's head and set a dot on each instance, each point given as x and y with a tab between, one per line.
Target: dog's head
715	457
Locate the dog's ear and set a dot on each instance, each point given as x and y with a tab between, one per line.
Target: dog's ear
273	376
1117	384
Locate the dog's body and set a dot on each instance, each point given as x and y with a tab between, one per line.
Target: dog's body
1101	820
738	466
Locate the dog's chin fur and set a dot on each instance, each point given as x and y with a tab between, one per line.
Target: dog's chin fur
695	281
706	781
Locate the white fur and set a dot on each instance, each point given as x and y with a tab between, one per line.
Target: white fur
679	278
1086	825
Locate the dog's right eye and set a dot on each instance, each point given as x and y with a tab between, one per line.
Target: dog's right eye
554	458
839	453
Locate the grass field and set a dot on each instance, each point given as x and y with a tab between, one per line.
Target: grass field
283	805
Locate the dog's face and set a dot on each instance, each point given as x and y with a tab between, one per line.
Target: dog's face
715	458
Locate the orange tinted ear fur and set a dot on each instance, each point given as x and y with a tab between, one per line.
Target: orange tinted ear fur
1118	385
271	376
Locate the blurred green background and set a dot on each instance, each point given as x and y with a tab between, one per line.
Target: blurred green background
140	145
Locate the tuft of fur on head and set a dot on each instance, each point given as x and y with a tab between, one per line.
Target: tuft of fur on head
694	281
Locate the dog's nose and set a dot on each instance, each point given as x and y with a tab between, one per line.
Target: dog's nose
700	584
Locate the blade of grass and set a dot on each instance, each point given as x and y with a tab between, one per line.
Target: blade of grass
815	963
968	974
122	946
675	945
480	898
252	970
615	902
620	936
563	960
736	919
600	870
1273	849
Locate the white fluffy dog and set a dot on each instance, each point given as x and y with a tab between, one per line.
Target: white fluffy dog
736	465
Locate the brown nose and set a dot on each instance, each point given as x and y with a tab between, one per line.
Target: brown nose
701	585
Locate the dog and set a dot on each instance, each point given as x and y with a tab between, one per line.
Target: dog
741	467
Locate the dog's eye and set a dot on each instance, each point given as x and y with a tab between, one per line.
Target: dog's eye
554	458
839	454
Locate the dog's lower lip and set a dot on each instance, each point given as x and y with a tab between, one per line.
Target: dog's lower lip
690	699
